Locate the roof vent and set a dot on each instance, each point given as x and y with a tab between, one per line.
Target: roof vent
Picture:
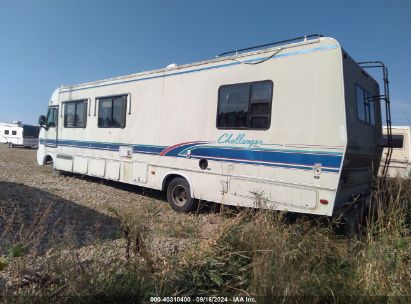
171	66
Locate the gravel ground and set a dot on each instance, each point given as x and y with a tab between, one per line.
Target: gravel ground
37	206
42	210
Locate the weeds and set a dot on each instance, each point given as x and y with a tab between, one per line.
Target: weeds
136	225
79	276
253	253
182	226
3	262
383	265
261	254
214	267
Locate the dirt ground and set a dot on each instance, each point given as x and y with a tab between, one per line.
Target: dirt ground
40	209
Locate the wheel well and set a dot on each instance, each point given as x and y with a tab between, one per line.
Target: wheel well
171	176
48	159
168	179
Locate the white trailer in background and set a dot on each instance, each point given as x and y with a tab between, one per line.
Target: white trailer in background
18	134
400	163
297	123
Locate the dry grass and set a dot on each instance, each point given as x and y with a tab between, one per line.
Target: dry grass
261	254
383	265
251	253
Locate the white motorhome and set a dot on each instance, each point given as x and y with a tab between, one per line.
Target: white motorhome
296	122
18	134
400	163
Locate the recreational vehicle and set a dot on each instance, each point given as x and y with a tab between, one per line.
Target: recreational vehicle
17	134
400	164
295	124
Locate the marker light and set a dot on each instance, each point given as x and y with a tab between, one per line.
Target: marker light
323	201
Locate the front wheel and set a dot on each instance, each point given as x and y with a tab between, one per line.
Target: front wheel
179	195
54	171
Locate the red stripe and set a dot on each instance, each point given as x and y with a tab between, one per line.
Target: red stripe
162	153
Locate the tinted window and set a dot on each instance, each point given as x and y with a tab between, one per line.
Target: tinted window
75	114
372	109
233	106
81	112
69	114
260	105
397	141
13	132
52	118
112	112
360	103
6	132
31	131
365	105
245	105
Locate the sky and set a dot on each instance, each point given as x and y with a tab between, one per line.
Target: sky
47	43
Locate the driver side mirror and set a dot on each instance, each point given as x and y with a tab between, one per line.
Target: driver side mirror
43	121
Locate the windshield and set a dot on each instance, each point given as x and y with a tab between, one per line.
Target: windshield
31	131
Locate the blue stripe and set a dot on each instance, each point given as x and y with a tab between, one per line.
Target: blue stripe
300	52
146	149
326	160
272	165
310	151
50	143
275	158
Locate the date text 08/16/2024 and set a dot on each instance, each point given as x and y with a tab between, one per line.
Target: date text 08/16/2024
235	299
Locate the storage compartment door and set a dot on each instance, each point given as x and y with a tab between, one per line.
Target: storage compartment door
113	170
140	172
272	193
80	165
64	162
96	167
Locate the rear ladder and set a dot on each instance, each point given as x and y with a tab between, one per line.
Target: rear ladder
386	98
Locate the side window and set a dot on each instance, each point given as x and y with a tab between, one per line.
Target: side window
52	117
6	132
13	132
75	114
397	141
365	106
260	105
112	112
233	103
245	106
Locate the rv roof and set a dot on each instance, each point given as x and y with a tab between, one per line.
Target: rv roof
10	124
398	127
66	88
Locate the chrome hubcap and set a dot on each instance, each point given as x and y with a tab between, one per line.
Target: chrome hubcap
179	195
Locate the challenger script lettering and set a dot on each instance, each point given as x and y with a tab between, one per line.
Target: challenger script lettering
230	138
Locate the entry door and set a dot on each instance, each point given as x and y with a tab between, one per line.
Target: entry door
52	127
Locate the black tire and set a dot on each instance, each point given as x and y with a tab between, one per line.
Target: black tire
11	145
54	171
179	195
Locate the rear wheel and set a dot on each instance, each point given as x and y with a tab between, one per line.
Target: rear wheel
179	195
